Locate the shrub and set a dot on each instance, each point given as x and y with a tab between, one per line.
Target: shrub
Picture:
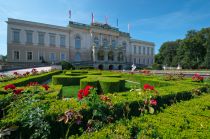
66	65
66	80
89	81
73	74
112	75
110	85
94	73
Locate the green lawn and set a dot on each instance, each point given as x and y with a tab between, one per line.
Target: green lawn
70	91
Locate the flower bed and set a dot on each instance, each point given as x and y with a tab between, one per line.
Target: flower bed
91	107
183	120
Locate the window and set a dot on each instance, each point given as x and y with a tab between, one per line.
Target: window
151	60
105	42
152	51
139	61
148	50
77	57
139	49
101	55
52	39
41	38
134	49
113	43
29	56
144	61
110	56
124	45
96	41
41	56
16	55
63	56
148	61
120	56
16	36
29	37
134	60
62	41
52	57
144	50
77	42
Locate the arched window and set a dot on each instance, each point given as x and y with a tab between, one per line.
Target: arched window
110	56
96	41
120	56
77	57
113	43
77	42
105	42
101	55
124	45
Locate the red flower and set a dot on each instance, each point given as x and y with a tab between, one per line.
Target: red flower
46	87
148	87
33	83
80	94
10	86
153	102
15	73
17	91
87	90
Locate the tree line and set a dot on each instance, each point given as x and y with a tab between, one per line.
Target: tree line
192	52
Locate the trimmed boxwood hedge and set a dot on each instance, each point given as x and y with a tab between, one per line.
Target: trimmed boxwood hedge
110	85
89	81
104	84
112	75
79	71
94	73
66	80
181	120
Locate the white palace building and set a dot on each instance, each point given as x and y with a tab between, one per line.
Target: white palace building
97	44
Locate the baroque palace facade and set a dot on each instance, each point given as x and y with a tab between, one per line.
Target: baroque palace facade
98	45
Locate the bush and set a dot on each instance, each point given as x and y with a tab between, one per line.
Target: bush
66	65
110	85
79	71
89	81
66	80
113	75
73	74
94	73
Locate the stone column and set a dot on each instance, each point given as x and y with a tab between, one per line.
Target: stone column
105	55
101	42
110	40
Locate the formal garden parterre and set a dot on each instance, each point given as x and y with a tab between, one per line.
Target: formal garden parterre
104	104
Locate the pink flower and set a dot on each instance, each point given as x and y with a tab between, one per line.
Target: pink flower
153	102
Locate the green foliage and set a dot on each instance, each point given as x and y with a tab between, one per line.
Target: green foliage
192	52
89	81
111	85
183	120
66	80
36	78
66	65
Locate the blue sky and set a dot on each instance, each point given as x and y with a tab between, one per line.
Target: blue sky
151	20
